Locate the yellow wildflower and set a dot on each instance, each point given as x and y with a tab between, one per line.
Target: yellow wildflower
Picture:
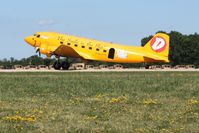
193	102
149	101
122	99
18	118
98	97
114	100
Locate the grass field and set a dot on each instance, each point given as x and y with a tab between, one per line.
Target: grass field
159	102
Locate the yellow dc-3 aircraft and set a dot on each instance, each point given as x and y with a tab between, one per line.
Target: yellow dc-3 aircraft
60	45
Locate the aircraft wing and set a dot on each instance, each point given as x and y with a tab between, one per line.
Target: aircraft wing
67	51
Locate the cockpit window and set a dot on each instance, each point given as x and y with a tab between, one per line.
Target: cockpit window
37	35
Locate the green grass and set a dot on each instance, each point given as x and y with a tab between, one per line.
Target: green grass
159	102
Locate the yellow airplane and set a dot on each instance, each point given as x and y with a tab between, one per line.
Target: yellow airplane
60	45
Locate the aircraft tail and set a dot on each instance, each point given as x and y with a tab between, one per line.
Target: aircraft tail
158	47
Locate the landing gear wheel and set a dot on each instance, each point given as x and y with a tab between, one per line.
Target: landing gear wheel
57	65
147	67
65	65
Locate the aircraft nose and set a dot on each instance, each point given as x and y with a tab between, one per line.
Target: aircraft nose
30	40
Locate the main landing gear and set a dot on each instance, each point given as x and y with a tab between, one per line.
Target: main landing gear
64	65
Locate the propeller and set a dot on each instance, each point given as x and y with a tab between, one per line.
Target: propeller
37	49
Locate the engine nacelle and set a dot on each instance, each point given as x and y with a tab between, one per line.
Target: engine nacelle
44	49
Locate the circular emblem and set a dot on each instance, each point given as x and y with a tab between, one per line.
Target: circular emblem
158	44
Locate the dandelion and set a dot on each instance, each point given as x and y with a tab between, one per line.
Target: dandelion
18	118
119	99
114	100
193	102
98	97
149	101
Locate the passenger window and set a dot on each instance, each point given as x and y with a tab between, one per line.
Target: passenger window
61	43
83	46
97	49
104	51
76	45
38	36
68	43
90	48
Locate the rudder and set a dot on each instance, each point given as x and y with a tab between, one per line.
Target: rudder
159	45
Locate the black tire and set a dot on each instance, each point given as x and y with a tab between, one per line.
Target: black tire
65	65
57	65
147	67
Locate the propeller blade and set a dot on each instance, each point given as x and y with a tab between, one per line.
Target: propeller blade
38	51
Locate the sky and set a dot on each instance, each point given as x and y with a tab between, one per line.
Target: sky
118	21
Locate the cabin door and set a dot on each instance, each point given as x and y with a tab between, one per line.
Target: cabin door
111	53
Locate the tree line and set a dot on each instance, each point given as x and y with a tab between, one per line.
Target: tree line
184	50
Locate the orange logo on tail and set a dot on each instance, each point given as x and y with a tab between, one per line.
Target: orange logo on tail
158	44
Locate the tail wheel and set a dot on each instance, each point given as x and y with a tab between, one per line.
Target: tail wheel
57	65
65	65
